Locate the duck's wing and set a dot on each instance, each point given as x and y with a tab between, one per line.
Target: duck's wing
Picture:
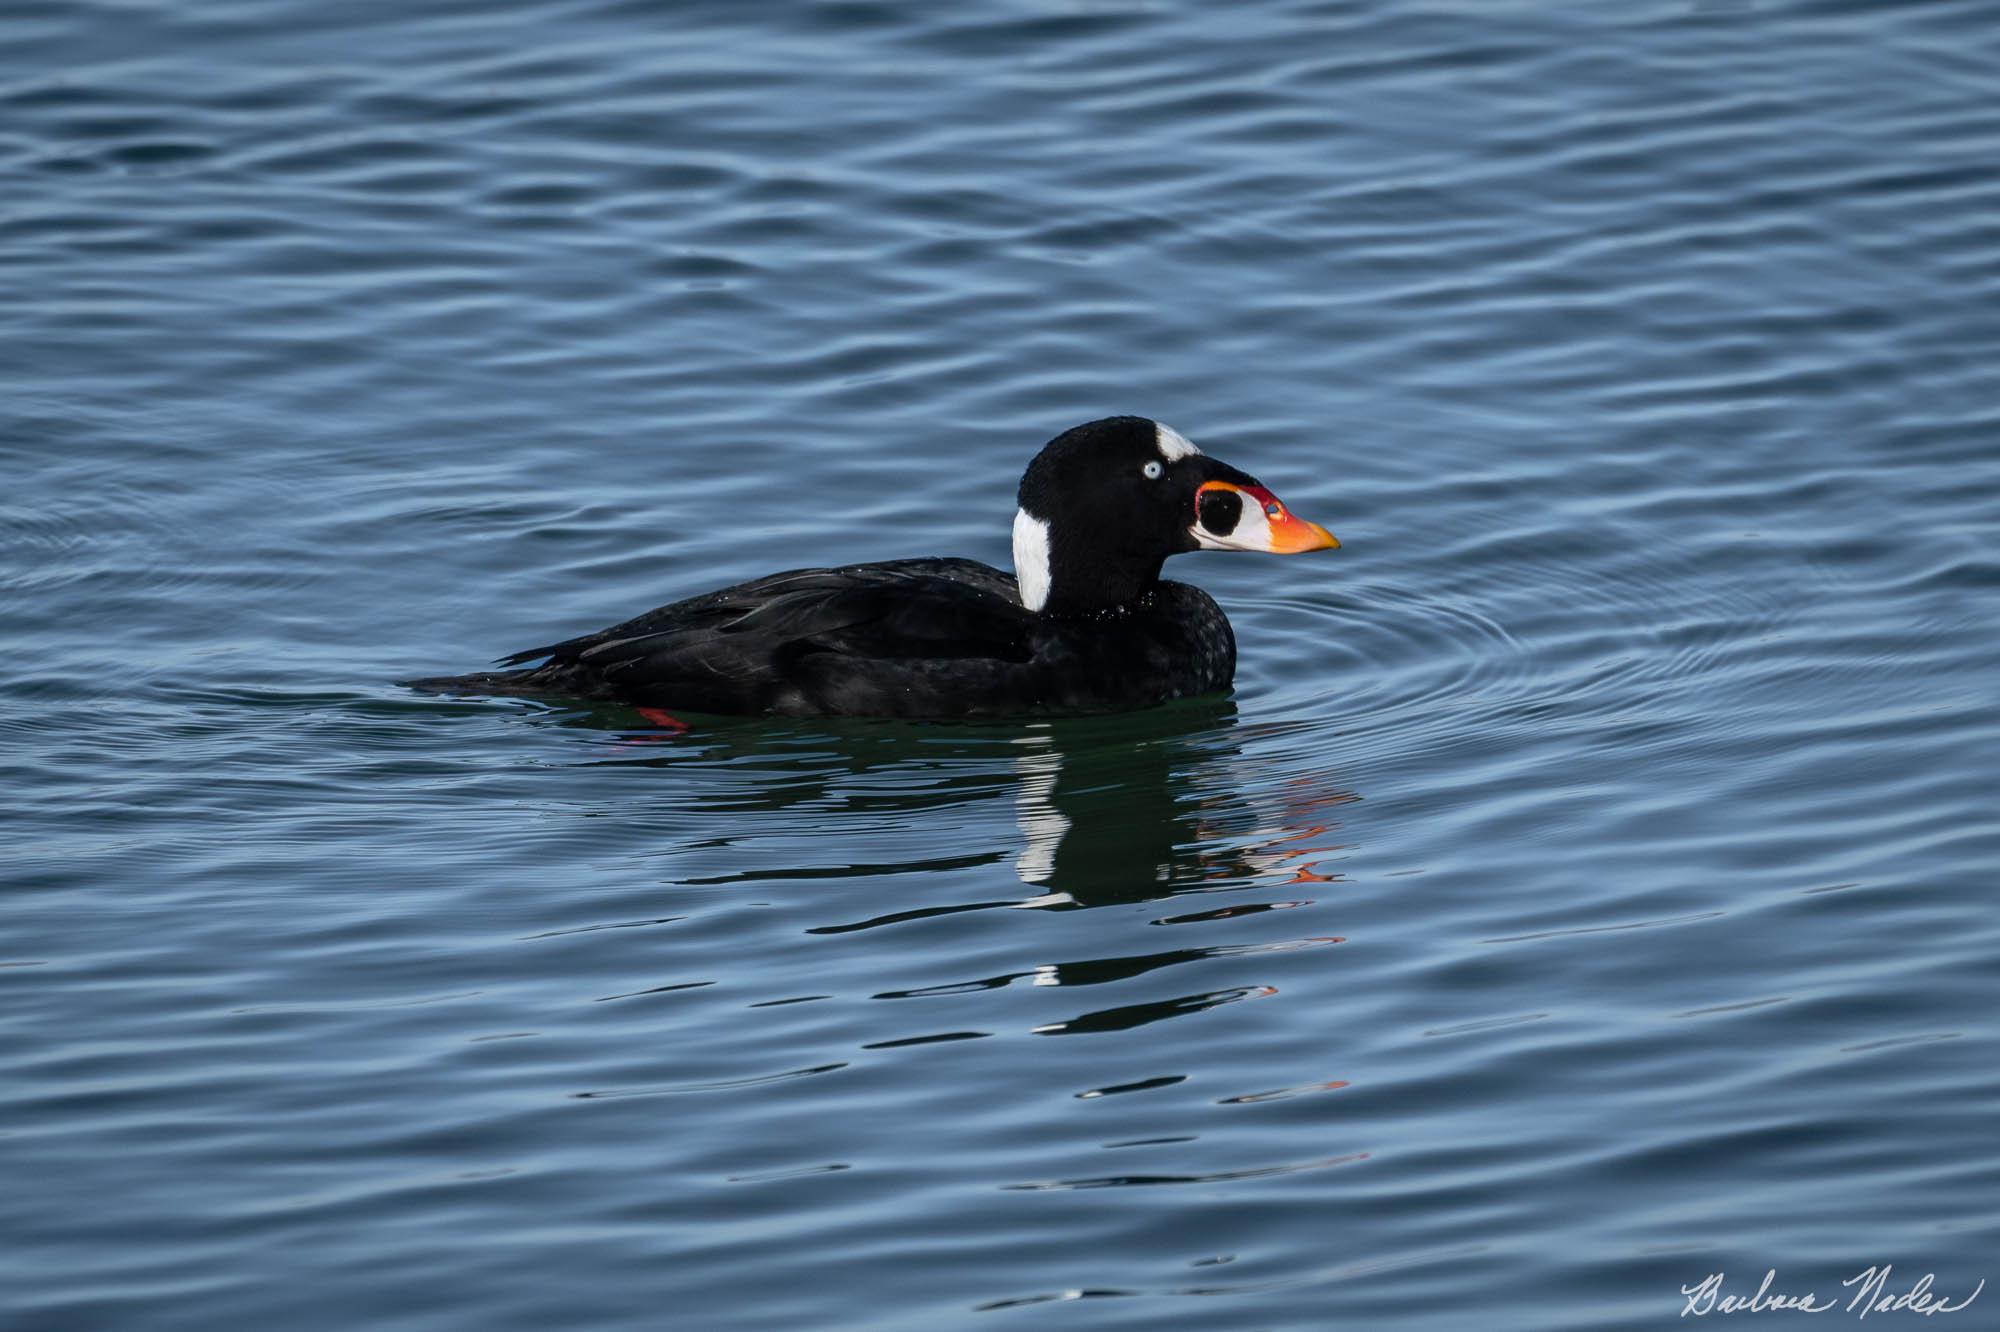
803	640
790	598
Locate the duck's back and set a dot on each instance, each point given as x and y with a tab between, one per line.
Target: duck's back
905	638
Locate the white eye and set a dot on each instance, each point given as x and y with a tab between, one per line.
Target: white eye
1152	471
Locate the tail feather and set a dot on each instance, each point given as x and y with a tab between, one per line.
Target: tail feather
479	682
531	654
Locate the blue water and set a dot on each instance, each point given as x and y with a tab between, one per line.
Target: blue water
1587	888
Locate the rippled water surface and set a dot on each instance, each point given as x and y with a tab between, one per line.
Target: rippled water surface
1587	887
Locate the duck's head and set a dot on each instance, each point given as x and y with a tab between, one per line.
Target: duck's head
1104	504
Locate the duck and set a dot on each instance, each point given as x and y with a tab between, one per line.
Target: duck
1083	625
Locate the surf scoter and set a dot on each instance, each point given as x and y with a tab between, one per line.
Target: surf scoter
1085	623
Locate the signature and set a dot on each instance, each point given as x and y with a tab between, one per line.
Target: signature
1871	1295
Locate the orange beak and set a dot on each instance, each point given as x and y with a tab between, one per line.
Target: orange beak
1265	524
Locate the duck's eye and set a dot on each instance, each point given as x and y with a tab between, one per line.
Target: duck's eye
1152	470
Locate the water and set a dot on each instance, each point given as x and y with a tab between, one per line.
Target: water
1587	887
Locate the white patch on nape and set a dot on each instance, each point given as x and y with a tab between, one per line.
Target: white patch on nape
1031	559
1174	446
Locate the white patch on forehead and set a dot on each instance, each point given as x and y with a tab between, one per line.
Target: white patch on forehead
1174	446
1031	559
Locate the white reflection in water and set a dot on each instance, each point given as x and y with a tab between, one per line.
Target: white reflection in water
1043	826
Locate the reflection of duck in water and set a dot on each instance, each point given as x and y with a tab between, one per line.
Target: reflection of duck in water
1136	809
1100	810
1085	623
1107	815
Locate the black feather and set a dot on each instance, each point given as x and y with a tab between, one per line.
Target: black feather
909	638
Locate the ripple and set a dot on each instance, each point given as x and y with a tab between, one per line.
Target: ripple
674	988
932	1038
1409	650
1143	1084
1102	971
1487	1024
800	1172
1608	929
1893	1041
1128	1016
1213	1177
720	1085
1283	1093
